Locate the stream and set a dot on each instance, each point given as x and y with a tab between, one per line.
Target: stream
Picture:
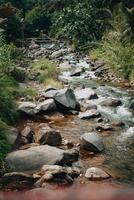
118	157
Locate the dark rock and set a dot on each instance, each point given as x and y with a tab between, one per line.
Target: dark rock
16	180
91	142
66	99
35	157
47	135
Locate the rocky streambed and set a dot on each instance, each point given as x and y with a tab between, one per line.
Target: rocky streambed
75	135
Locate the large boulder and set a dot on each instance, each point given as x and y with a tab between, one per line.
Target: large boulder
91	142
85	94
95	173
28	108
111	102
89	114
66	99
35	157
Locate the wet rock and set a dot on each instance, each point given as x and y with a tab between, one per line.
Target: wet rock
111	102
28	108
86	93
95	173
87	106
27	133
89	114
47	105
66	99
47	135
56	174
92	142
17	180
103	127
35	157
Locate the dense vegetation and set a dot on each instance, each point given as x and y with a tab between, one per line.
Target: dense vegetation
106	27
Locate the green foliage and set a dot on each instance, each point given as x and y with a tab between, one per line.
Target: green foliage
4	146
80	22
44	71
118	58
7	106
37	19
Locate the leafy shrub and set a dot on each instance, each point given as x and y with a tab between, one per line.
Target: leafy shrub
118	58
7	106
37	19
4	146
80	22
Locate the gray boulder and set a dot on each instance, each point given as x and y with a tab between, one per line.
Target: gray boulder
89	114
35	157
91	142
28	108
66	98
47	105
86	94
